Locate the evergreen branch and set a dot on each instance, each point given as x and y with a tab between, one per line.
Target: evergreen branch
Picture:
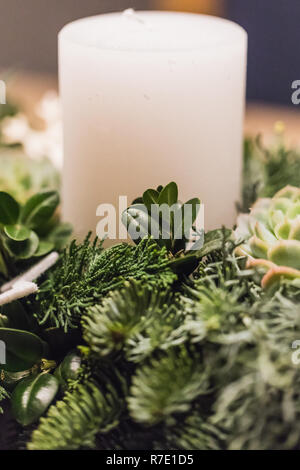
213	311
267	170
194	433
3	395
166	386
74	422
136	319
258	399
86	273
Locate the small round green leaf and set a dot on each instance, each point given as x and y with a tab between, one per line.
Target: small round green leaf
44	248
194	204
69	368
23	349
16	315
32	397
150	197
169	194
137	221
184	265
9	209
17	232
10	380
39	208
25	249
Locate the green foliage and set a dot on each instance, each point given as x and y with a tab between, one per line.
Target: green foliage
8	110
23	177
166	386
23	349
206	367
14	315
135	319
27	231
3	395
194	433
271	236
74	422
161	215
166	360
9	380
258	408
9	209
267	170
68	369
86	273
32	397
39	209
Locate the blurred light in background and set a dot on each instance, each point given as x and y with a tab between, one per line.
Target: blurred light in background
209	7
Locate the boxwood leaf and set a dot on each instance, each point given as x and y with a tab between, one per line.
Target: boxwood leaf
9	380
136	220
60	235
223	233
9	209
184	265
32	397
39	208
150	197
209	248
194	204
17	232
169	194
69	368
23	349
16	316
44	248
190	212
25	249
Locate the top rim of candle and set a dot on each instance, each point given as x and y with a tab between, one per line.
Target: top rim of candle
153	31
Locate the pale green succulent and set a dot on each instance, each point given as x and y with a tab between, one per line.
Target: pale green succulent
272	236
21	176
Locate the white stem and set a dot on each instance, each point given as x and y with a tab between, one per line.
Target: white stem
33	273
19	290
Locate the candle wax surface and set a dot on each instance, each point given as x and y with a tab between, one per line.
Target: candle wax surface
152	31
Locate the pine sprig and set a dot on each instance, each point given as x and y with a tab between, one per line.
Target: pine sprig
194	433
3	395
216	305
167	385
74	422
86	273
136	319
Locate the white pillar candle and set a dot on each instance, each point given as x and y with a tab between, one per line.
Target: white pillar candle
149	98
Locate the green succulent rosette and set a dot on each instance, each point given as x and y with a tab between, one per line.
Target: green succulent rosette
272	236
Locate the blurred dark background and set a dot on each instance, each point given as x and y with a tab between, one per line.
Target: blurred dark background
273	27
28	35
28	28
